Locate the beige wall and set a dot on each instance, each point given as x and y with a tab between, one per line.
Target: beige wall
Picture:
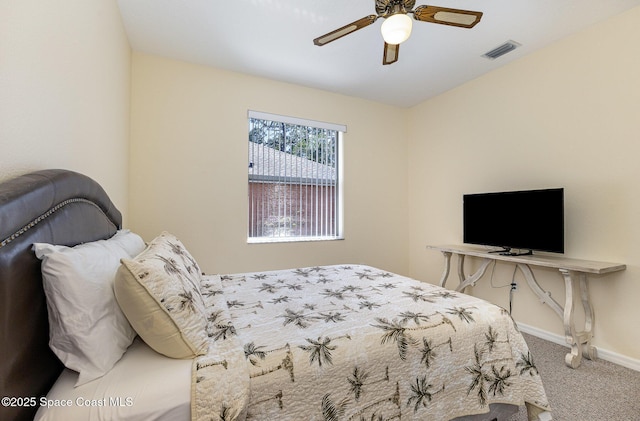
64	90
567	116
189	167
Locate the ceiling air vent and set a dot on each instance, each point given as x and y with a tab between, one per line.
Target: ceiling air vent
501	50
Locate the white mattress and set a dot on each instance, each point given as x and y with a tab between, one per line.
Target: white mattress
143	385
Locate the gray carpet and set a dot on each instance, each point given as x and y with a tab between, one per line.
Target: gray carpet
595	391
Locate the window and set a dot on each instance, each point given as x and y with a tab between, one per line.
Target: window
294	179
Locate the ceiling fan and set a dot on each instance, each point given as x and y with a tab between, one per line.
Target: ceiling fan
397	25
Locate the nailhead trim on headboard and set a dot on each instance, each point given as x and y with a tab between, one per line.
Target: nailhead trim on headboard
46	215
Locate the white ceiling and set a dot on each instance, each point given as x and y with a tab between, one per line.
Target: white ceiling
274	39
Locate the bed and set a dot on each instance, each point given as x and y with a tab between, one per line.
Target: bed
342	342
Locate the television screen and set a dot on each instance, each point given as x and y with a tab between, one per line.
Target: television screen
525	220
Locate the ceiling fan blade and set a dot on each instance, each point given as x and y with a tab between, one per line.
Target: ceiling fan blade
390	53
446	16
345	30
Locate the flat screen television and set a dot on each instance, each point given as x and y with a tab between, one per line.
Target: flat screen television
526	220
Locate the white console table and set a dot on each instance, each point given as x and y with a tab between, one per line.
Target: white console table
574	273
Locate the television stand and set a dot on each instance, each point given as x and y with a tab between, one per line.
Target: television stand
574	273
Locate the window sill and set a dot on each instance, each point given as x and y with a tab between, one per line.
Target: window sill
268	240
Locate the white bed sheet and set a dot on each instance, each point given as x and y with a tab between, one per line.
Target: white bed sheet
143	385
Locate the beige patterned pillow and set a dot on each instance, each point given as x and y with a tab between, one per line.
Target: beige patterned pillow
159	292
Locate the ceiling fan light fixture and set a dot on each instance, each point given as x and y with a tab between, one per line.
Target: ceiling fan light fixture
398	23
396	29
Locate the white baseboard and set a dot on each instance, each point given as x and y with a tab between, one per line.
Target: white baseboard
604	354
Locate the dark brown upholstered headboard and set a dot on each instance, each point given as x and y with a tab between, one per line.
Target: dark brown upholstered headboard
51	206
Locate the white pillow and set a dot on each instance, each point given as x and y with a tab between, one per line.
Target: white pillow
87	330
159	291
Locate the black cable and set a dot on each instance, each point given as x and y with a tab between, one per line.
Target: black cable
513	288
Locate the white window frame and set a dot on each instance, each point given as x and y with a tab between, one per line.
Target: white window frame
338	196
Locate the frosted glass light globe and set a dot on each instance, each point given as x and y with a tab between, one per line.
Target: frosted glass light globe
396	29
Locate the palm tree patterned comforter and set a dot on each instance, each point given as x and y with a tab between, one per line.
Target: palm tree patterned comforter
353	342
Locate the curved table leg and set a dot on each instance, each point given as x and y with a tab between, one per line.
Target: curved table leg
447	265
590	352
580	341
471	280
545	296
464	281
461	275
574	358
